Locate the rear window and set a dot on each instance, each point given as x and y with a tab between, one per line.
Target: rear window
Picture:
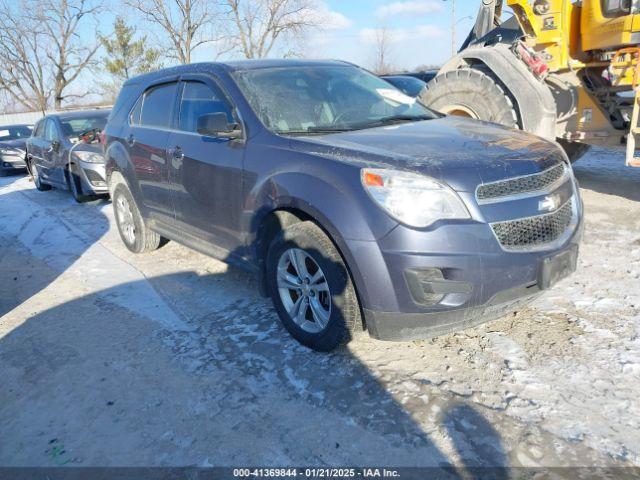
14	132
157	106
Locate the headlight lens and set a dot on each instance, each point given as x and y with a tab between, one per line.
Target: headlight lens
9	151
90	157
413	199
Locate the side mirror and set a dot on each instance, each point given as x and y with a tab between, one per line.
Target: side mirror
55	146
216	125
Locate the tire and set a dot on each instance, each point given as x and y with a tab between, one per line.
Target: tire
75	185
37	181
339	311
471	93
574	150
136	236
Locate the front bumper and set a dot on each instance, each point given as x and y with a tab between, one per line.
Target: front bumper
10	162
480	281
93	177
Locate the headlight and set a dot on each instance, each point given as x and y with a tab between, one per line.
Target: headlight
413	199
9	151
89	157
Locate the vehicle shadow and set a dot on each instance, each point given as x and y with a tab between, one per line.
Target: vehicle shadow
230	382
603	170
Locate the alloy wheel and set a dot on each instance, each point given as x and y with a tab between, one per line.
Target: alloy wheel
304	290
125	219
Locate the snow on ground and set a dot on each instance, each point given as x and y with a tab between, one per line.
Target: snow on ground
172	358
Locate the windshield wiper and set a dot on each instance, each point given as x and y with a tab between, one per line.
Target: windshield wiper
399	118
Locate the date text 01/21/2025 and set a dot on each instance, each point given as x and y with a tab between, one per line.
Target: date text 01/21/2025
316	472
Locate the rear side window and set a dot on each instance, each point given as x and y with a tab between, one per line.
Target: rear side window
200	99
134	116
157	106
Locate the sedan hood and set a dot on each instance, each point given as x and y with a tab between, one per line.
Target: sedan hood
19	144
461	152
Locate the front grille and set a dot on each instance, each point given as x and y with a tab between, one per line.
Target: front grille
532	232
516	186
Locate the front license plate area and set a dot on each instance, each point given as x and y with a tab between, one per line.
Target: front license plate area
553	269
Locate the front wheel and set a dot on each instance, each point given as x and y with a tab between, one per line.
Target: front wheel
75	185
37	180
311	288
136	236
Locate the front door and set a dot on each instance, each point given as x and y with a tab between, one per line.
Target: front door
206	171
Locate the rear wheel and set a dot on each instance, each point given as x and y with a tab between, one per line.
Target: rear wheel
136	236
311	288
470	93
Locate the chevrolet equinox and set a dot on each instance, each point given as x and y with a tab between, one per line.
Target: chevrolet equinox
356	206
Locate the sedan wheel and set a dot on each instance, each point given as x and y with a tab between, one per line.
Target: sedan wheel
303	290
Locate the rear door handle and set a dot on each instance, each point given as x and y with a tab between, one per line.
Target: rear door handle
131	140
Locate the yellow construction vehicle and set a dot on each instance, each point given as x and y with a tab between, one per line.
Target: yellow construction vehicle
562	70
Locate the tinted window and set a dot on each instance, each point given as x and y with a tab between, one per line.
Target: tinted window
14	132
50	131
74	126
157	106
200	99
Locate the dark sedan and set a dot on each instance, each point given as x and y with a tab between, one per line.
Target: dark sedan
12	148
64	152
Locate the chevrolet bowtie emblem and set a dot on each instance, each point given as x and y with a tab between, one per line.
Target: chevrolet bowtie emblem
549	203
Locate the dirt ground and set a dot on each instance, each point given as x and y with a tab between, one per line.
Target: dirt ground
173	359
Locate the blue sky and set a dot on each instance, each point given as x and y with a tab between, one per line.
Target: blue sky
421	30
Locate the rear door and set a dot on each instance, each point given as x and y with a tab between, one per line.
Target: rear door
206	171
34	143
147	142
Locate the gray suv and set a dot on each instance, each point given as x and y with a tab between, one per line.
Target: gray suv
356	206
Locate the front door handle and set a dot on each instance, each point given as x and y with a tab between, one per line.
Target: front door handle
131	140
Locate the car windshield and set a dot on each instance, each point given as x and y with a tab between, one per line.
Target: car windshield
322	99
14	132
74	126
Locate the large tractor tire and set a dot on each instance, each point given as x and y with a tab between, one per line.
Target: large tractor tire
470	93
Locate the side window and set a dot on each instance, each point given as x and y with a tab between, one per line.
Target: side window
38	131
134	116
200	99
157	106
50	133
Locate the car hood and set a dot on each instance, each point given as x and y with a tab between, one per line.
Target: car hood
88	147
19	144
461	152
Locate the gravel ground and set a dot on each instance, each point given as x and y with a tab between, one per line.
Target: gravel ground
172	358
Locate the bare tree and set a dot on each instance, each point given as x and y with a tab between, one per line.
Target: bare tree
382	39
24	76
254	27
61	21
41	52
184	21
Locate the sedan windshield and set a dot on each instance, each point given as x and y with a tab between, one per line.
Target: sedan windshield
14	132
322	99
